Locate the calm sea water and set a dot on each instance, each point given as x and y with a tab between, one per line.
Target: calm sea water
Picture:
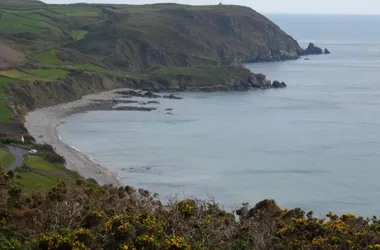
314	145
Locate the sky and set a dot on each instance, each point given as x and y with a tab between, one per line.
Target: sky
269	6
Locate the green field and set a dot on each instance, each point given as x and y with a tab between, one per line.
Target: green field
50	74
78	34
6	159
44	174
35	74
15	23
76	11
49	57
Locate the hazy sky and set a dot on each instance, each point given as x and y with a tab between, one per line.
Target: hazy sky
270	6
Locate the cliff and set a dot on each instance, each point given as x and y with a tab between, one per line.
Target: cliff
57	53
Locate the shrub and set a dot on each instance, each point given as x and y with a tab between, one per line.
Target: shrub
54	157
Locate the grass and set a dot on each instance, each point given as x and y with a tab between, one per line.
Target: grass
91	67
173	71
31	180
77	10
36	74
5	112
12	23
44	174
49	57
51	74
6	159
78	34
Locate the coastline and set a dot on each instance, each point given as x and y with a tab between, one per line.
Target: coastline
43	124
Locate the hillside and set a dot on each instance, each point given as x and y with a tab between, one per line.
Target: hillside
56	53
131	37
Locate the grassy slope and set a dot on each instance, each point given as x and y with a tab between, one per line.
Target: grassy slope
5	112
44	174
6	159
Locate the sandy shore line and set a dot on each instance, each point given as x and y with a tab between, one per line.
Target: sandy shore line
42	125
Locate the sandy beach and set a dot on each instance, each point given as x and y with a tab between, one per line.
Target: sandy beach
42	125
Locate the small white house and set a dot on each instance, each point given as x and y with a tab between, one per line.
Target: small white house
33	151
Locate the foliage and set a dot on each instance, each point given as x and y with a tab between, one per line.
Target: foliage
35	74
94	217
78	34
5	112
6	159
49	57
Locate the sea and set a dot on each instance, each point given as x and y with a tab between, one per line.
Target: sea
314	145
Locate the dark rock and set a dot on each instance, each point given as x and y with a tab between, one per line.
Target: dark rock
327	52
133	108
277	85
169	109
313	50
124	101
152	102
307	59
150	94
171	96
129	93
169	113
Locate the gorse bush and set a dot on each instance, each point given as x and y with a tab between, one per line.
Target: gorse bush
92	217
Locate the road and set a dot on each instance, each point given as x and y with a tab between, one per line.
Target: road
19	154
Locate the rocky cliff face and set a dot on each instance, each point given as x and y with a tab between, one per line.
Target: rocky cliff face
29	96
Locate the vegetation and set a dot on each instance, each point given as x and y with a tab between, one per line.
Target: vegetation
6	159
86	216
5	112
49	57
35	74
78	34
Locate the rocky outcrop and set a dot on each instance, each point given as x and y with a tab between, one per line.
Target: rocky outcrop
133	108
313	50
150	94
130	93
277	85
327	52
152	102
171	96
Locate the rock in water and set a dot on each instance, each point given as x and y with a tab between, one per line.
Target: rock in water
150	94
278	85
129	93
133	108
327	52
152	102
313	50
171	96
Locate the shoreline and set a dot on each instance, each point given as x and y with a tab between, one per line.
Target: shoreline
43	124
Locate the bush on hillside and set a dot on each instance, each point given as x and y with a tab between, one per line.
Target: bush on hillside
94	217
53	157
